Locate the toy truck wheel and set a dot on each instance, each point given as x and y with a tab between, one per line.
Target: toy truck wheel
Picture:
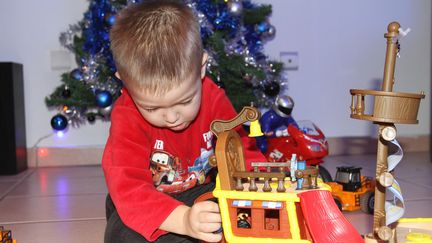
338	203
324	174
367	202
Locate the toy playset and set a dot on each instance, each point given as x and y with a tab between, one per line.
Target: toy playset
265	205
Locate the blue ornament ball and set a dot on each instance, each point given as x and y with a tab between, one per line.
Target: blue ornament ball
77	74
262	27
104	99
59	122
218	23
110	19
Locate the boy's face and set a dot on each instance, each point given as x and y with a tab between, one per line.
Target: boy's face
176	109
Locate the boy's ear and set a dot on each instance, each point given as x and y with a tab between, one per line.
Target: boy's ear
117	75
204	64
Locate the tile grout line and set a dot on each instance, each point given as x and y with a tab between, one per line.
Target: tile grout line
408	180
419	199
51	221
2	196
57	195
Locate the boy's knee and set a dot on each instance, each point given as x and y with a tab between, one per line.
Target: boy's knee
117	232
109	207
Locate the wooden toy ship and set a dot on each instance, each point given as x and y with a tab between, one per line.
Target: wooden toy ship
389	108
263	205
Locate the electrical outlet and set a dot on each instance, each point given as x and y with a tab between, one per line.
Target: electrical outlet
290	60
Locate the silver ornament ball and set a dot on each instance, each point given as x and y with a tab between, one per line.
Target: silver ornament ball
235	7
105	111
271	32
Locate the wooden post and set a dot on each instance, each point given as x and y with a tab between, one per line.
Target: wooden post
380	190
390	61
389	108
381	231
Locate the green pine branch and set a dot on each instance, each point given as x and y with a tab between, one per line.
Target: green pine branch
80	94
231	69
256	15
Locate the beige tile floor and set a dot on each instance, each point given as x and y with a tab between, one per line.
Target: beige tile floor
66	204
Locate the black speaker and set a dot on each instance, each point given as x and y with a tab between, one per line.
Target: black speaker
13	147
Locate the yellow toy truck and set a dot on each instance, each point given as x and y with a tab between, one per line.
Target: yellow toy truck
352	191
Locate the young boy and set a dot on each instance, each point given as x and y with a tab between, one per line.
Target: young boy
156	157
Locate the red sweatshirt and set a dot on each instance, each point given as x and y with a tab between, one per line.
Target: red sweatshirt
143	163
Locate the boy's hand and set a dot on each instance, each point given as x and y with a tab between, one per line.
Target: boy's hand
202	220
198	221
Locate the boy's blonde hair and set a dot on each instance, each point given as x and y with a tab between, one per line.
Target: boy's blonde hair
157	45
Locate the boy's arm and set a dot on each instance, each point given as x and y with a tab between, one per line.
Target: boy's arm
198	221
126	167
140	205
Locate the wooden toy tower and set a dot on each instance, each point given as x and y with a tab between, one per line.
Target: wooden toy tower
389	108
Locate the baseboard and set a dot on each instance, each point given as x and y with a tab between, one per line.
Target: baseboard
92	155
368	145
52	156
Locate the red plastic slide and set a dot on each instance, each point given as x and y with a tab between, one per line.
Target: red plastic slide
325	221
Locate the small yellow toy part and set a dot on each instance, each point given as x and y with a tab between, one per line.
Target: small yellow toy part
418	237
413	230
255	129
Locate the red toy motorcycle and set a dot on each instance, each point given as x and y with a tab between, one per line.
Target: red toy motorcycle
307	142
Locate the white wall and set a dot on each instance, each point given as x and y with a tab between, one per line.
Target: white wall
340	45
29	32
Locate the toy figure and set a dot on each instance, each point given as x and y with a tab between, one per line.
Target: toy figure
306	176
293	167
301	165
275	121
243	220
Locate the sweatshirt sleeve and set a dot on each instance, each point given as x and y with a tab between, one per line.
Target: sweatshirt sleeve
126	166
223	109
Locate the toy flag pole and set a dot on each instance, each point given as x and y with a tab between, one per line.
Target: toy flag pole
379	224
389	108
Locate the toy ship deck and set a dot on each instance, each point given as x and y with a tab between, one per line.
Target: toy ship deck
260	216
259	206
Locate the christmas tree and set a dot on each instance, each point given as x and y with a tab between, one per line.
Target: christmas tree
233	34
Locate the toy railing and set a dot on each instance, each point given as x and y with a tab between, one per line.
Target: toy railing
266	176
389	107
248	113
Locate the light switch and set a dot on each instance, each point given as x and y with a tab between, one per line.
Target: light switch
290	60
